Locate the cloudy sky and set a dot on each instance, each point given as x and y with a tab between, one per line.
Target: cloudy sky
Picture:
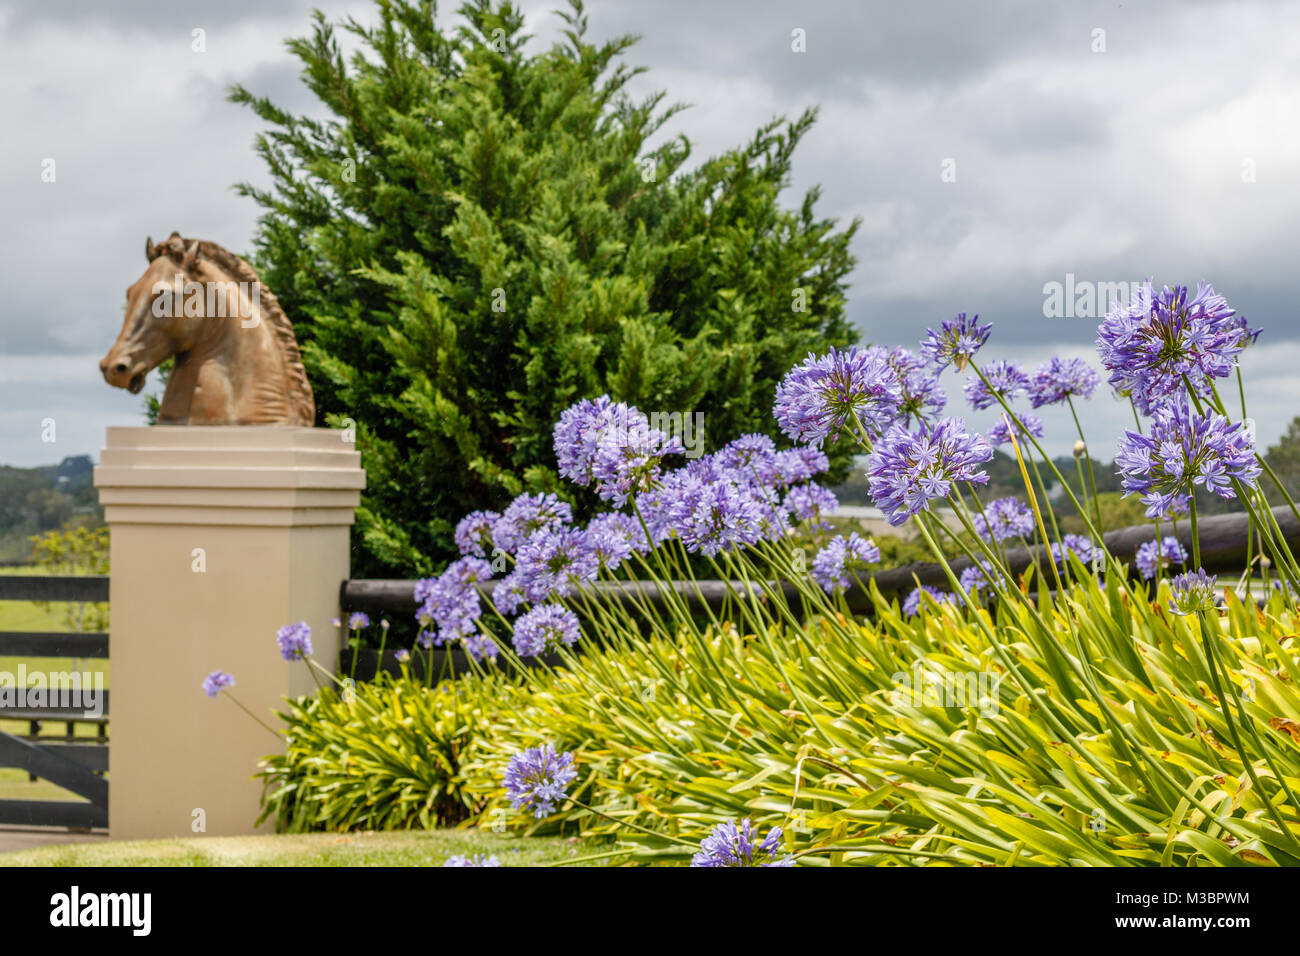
989	149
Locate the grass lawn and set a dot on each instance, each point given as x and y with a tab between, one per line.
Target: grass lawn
397	848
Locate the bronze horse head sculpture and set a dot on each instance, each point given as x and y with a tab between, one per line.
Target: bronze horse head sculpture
237	361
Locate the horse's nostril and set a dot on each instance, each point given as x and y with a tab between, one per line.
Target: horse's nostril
120	368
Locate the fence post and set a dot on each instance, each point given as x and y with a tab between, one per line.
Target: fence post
220	536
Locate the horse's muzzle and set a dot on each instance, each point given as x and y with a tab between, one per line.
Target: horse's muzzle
121	374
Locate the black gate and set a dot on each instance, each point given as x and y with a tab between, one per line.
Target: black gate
76	764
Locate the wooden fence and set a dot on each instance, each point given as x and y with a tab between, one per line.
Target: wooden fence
76	764
1223	550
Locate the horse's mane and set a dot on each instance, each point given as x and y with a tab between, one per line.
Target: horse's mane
300	394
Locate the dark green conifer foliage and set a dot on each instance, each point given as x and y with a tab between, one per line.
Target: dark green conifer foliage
469	238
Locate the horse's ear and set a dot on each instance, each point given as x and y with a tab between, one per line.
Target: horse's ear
150	250
191	256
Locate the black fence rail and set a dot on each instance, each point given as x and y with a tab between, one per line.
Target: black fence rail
76	764
1223	549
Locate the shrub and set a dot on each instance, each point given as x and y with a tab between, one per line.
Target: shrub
386	755
477	237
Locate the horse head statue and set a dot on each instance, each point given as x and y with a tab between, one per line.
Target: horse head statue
237	361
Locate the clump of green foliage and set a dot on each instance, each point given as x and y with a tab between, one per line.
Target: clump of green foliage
476	237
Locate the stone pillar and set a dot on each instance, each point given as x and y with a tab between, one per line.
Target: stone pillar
220	536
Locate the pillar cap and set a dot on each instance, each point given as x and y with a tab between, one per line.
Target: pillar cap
225	475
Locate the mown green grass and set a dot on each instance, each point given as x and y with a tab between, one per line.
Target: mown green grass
398	848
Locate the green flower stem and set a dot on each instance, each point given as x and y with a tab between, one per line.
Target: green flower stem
278	736
1087	454
633	826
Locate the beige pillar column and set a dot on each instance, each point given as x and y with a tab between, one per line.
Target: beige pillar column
220	536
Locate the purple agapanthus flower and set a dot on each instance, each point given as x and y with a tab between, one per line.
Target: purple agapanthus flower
956	342
1192	591
978	576
480	646
921	395
841	388
720	516
1002	379
612	537
216	682
294	641
474	533
545	628
526	514
732	844
450	601
1159	341
478	859
837	563
794	465
358	620
907	470
612	445
1183	449
1153	556
811	502
536	779
751	455
1077	544
632	460
1004	518
1026	424
555	562
509	594
912	603
578	433
1058	379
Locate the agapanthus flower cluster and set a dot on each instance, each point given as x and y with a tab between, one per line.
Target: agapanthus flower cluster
613	536
480	646
712	517
536	779
912	603
1159	341
1192	591
841	388
478	859
791	466
921	395
294	641
1058	380
526	514
908	469
1003	519
358	620
956	342
1153	556
555	561
1185	448
978	576
1025	423
612	445
450	602
545	628
835	565
216	682
811	502
474	533
1081	546
732	844
1002	379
